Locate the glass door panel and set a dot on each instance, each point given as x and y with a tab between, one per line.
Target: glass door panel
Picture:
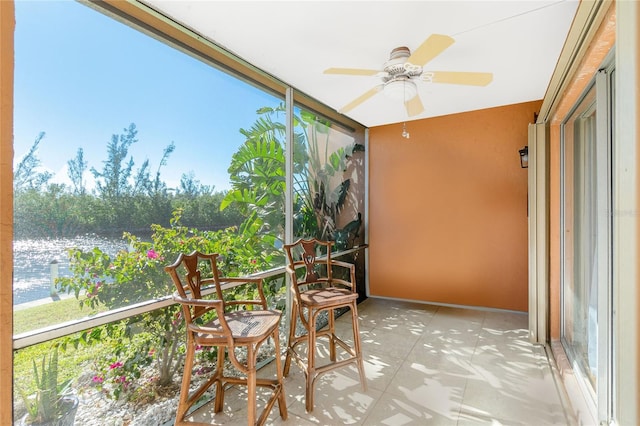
580	286
587	254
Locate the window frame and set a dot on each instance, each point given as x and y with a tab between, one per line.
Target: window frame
601	401
146	20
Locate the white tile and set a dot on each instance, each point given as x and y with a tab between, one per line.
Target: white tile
506	320
391	410
425	365
235	408
387	343
527	402
448	342
338	399
428	379
378	370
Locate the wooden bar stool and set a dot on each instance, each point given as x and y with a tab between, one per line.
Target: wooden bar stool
227	325
317	290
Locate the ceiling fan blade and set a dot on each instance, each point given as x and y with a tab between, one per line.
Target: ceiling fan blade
350	71
360	99
456	77
414	106
430	48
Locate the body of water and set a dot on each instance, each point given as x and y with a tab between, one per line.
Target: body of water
32	262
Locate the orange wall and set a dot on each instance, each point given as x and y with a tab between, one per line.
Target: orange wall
448	209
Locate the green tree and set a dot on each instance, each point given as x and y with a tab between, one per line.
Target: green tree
76	169
52	213
26	175
131	201
150	197
158	186
112	183
191	187
203	211
143	184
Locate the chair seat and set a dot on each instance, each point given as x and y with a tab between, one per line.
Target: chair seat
246	327
327	296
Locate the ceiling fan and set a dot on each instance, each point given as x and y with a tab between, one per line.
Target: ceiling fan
403	69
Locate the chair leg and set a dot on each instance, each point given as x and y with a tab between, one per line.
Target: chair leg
251	385
357	346
219	372
293	320
183	406
282	403
311	361
332	334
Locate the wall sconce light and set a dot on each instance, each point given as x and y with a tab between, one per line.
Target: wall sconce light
524	157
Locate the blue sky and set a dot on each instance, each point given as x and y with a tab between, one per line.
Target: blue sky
81	77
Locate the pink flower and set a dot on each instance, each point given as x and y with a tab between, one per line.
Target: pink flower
203	370
94	292
97	379
151	254
115	365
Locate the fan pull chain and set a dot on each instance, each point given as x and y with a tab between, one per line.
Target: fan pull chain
405	134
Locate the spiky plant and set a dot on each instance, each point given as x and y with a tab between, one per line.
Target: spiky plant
46	403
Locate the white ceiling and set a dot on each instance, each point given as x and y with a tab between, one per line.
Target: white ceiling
518	41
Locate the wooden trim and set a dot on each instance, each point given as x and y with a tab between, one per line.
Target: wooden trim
7	27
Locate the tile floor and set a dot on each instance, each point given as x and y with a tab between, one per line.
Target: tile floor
425	365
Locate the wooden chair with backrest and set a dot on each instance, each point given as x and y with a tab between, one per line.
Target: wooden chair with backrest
226	324
319	289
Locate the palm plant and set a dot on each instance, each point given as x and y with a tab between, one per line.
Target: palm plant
257	174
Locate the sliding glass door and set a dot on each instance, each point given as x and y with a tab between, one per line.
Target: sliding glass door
587	247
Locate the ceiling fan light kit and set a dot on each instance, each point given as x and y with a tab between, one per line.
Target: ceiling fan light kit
401	89
403	69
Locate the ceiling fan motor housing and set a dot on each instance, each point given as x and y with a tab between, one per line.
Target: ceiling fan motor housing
397	65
